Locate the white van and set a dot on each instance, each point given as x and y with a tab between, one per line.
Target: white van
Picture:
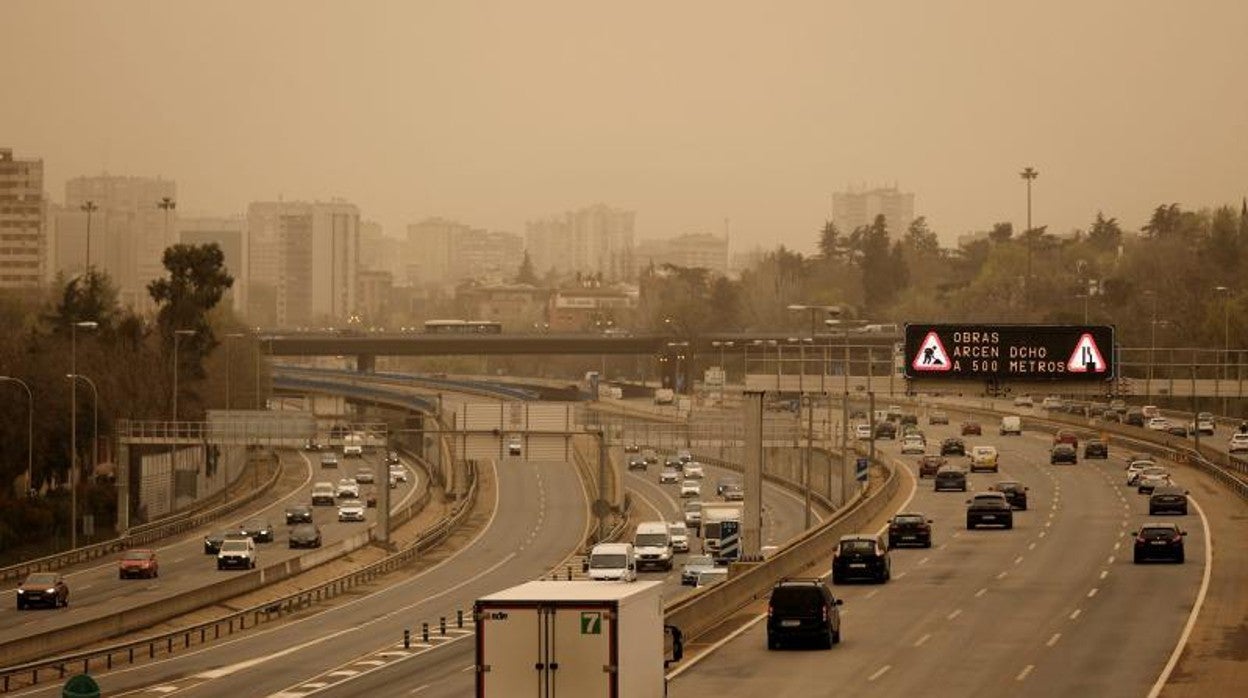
1011	424
652	544
664	396
614	562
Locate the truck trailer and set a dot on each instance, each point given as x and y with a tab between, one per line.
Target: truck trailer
553	639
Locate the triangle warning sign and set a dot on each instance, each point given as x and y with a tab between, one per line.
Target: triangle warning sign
1086	358
931	355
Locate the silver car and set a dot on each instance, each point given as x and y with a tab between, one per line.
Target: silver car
669	476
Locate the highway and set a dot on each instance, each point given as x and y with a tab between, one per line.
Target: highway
1054	606
95	589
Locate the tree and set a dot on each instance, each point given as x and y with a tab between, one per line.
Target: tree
829	241
196	283
922	239
879	275
1001	232
526	275
1105	235
86	297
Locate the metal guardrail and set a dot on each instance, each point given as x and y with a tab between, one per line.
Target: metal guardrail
55	669
137	536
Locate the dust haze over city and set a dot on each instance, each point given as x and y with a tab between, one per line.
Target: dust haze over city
496	113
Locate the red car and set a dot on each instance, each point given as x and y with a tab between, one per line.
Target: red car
138	563
930	465
972	429
1065	436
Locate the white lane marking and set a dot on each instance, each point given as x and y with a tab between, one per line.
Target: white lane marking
1022	675
981	592
1117	545
1191	618
1104	574
343	672
1047	524
1093	592
163	689
315	684
1075	613
953	615
418	689
919	642
1111	559
393	653
1122	534
924	561
1003	575
468	668
899	575
1053	640
1042	534
880	672
1031	546
371	662
873	593
1018	559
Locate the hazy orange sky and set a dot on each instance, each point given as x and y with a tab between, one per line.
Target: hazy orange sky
495	113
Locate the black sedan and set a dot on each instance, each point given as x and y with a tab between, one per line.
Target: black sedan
953	446
910	528
1015	493
212	541
1168	499
1159	541
259	530
42	589
307	535
300	513
1095	448
1063	453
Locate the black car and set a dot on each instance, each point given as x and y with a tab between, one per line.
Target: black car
803	610
1015	493
300	513
1095	448
1063	453
950	479
1134	417
861	556
909	419
953	446
909	528
989	509
637	463
885	430
42	589
632	448
259	530
392	458
305	535
1167	499
1159	541
1176	429
212	542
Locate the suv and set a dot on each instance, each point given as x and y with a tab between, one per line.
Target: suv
1238	443
1015	493
1167	498
1063	453
1095	448
237	552
1159	541
861	555
953	446
803	609
910	527
950	478
989	509
930	465
885	430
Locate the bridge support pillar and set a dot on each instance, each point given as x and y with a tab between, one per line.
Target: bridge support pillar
752	516
365	363
123	488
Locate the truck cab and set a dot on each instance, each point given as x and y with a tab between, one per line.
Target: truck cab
612	562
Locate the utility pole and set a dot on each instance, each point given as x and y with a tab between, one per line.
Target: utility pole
1029	174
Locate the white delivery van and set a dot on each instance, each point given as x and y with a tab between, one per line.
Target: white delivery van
652	544
1011	424
612	562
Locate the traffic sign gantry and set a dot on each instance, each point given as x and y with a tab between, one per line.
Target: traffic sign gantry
1009	352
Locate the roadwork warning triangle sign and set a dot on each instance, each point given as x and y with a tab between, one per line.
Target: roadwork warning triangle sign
931	355
1086	358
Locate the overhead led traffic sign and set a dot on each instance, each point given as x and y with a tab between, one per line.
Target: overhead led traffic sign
1010	352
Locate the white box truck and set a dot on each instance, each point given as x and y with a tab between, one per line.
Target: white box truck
557	639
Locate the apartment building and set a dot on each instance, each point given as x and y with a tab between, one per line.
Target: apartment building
854	208
593	240
303	260
23	234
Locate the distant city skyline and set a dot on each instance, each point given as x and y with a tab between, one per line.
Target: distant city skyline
688	113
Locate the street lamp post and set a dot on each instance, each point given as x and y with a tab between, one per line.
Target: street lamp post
30	430
1029	174
844	412
166	204
95	417
1226	342
73	428
89	207
228	364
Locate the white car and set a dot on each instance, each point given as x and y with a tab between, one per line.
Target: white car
693	469
680	536
323	494
351	510
1204	427
913	444
1238	443
669	476
347	489
1134	468
399	473
691	488
1152	478
862	432
515	446
1158	424
1022	401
